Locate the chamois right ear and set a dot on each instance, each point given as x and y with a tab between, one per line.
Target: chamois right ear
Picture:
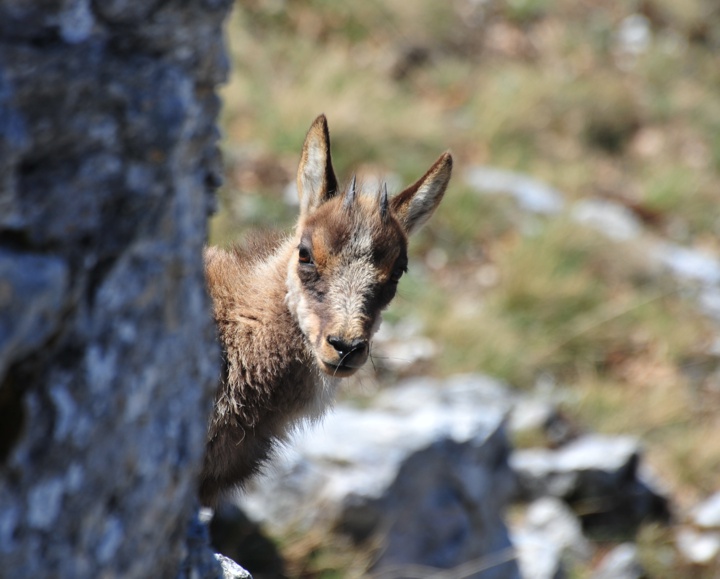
414	206
316	182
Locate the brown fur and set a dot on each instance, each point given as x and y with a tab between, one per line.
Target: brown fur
295	314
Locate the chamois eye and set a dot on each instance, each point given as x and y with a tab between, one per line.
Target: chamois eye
397	274
304	255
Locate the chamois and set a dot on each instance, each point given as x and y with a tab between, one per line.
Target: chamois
296	314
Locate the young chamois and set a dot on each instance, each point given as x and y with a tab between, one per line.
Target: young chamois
296	314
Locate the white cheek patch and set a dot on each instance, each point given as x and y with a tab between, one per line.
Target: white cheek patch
298	305
324	386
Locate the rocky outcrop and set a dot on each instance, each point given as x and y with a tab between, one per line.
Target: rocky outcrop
108	163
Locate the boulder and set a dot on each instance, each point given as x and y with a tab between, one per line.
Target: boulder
425	467
599	476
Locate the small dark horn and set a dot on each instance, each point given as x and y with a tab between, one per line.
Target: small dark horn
350	195
384	202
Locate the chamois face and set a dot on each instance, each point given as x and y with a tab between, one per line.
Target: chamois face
345	271
350	252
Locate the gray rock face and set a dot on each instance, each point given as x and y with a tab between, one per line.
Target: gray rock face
32	292
107	359
426	466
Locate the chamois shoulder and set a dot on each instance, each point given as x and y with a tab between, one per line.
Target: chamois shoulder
256	247
223	264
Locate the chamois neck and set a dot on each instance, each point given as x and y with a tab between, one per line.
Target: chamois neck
248	280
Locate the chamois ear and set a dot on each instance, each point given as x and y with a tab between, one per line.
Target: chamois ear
316	182
414	206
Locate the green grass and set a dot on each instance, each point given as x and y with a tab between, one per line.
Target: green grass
567	301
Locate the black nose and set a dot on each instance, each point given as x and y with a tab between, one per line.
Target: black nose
349	351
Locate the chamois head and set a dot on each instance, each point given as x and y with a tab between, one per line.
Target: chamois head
350	252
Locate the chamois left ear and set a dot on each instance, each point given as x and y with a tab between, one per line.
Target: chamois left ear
414	206
316	180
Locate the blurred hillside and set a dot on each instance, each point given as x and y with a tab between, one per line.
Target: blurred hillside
601	100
